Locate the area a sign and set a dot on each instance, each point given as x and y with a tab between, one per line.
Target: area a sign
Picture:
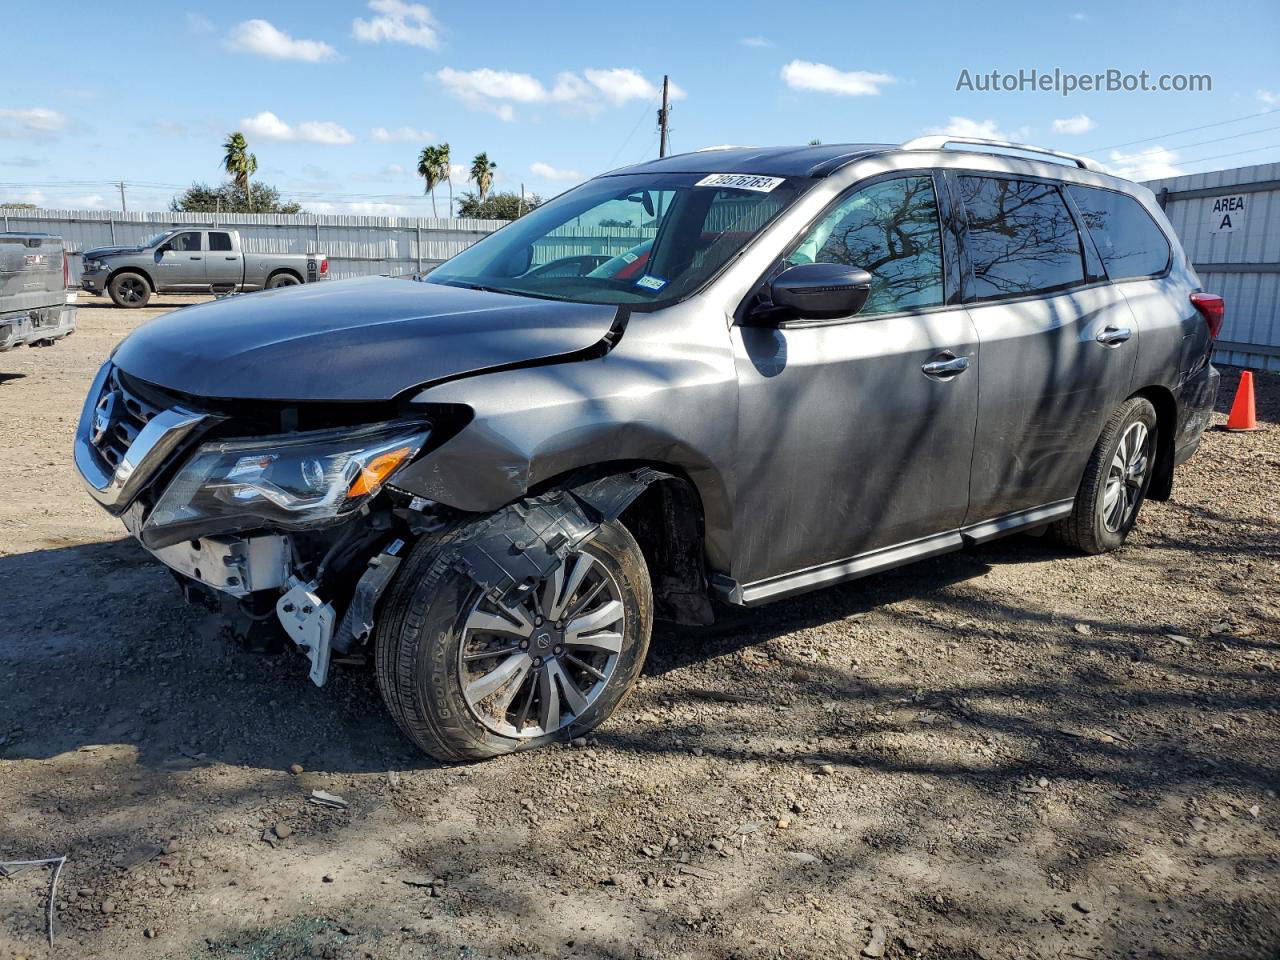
1226	213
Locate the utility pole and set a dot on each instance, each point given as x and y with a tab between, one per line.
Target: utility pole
123	207
663	116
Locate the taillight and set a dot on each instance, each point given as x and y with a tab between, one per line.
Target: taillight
1213	308
324	266
66	271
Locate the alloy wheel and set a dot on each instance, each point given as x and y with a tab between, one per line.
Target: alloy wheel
1126	477
131	290
533	667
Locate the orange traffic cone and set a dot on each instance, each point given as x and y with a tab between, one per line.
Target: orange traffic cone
1243	415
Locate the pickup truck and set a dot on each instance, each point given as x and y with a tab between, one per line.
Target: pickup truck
36	308
193	260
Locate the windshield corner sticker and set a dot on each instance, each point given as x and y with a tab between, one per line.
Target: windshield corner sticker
740	181
651	283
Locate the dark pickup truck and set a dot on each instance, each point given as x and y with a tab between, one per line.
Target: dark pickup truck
192	260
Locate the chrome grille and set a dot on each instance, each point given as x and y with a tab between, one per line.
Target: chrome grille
123	415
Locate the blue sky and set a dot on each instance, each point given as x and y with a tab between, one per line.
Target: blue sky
337	99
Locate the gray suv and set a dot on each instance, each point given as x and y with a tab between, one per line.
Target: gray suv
730	375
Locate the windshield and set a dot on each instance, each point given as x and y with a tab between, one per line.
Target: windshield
635	239
156	239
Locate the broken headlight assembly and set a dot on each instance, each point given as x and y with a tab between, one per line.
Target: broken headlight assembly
295	481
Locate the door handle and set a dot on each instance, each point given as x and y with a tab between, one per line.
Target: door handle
195	258
946	368
230	258
1114	336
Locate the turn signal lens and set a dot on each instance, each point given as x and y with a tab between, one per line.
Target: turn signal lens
379	468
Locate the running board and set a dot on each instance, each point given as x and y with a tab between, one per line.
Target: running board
886	558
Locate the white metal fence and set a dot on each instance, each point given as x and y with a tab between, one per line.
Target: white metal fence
355	246
1229	224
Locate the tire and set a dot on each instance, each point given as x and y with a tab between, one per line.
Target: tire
1099	523
130	290
282	280
428	622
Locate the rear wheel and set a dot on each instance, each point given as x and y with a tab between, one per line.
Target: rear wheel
129	290
1115	481
282	280
468	676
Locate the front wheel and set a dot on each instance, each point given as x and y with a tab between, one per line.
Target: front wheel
1115	481
467	676
129	290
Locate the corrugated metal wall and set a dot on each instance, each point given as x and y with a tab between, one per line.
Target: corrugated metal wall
356	246
1242	262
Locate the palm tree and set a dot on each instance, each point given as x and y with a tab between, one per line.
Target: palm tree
240	163
446	171
482	173
429	171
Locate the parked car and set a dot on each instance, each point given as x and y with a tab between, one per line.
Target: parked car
36	308
193	260
836	360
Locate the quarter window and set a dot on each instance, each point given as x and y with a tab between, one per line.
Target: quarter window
219	241
890	229
1021	238
1128	240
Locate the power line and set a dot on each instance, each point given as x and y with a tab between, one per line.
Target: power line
1237	153
1174	133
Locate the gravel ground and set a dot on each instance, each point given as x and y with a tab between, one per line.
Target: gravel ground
1006	752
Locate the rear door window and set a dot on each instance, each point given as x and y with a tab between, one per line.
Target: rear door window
1128	240
1022	239
219	241
890	229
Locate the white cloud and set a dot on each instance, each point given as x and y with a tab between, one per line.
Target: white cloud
364	208
29	196
497	90
1268	98
401	135
266	40
756	42
270	127
822	78
1078	124
1149	164
620	85
982	129
31	123
548	172
399	22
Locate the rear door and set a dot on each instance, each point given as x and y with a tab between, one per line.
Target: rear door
1058	342
848	444
180	262
224	265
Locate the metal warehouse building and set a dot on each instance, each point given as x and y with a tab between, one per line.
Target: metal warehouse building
1229	224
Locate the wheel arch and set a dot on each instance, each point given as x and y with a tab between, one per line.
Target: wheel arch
279	270
140	271
1160	397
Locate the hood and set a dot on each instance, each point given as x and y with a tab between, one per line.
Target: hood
368	339
108	251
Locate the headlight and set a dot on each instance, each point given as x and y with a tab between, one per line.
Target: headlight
295	481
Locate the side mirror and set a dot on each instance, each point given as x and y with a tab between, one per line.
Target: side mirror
819	291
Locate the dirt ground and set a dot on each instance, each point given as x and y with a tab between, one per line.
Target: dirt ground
1006	752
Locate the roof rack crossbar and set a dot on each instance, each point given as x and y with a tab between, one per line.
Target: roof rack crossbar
939	141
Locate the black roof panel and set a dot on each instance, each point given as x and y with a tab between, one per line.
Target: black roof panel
814	161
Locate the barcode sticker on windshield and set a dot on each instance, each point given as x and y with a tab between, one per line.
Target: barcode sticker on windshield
740	181
650	282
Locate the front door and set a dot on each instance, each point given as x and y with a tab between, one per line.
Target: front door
1058	344
856	435
180	262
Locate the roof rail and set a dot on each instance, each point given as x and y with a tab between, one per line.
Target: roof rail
939	141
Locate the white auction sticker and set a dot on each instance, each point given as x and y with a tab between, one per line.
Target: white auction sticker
740	181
